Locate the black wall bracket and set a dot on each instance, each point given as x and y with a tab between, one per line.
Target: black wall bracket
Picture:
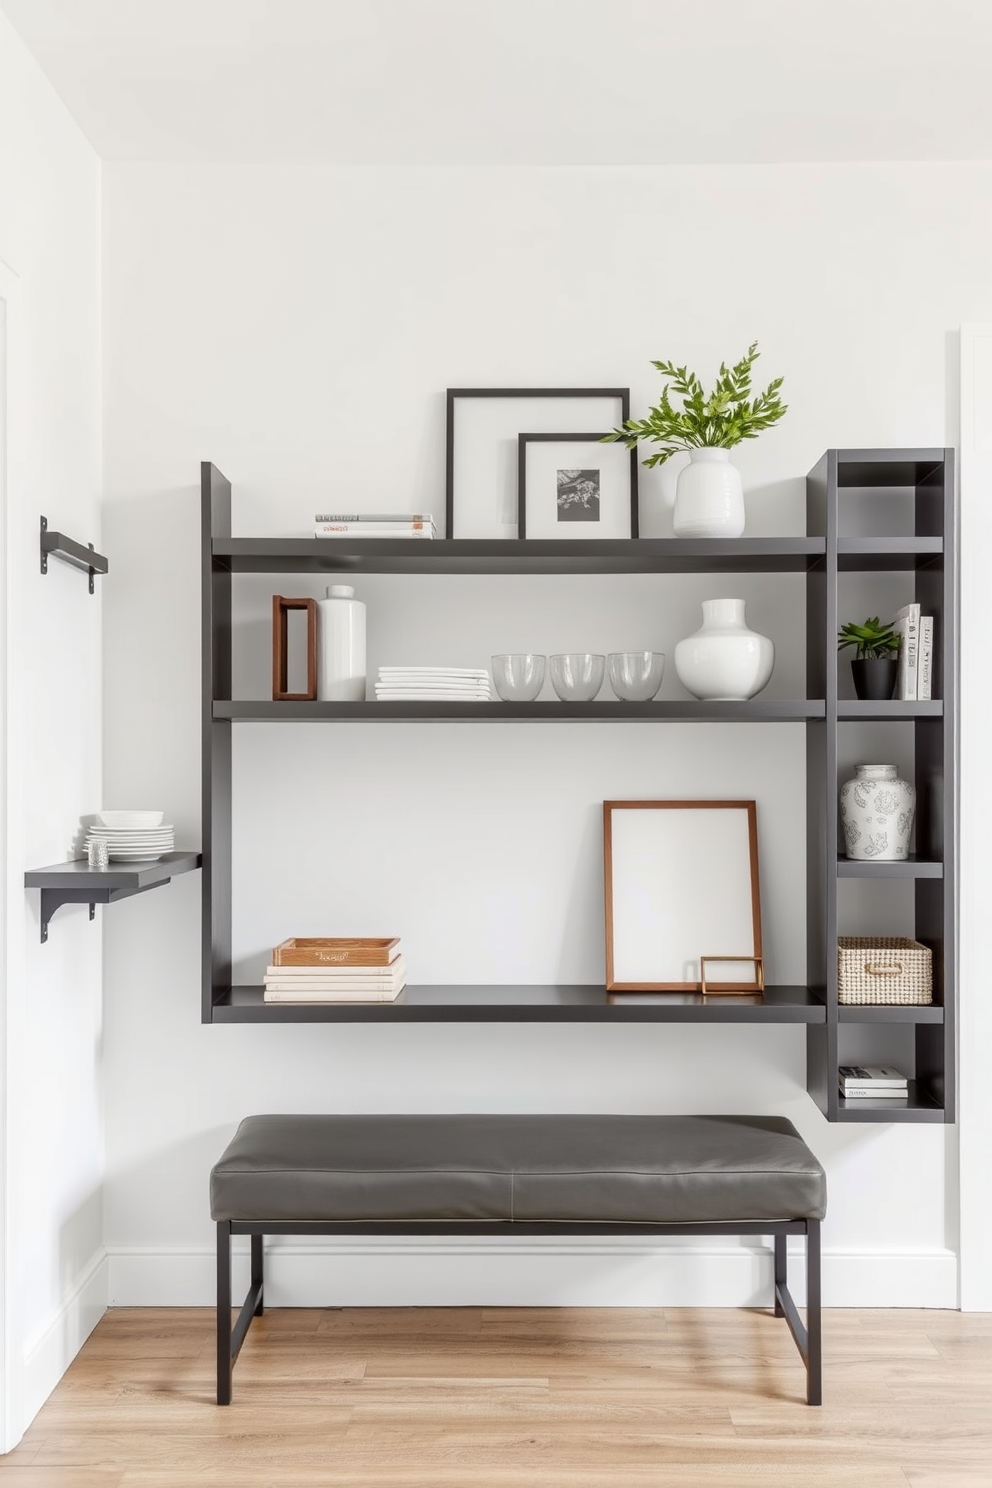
53	899
72	552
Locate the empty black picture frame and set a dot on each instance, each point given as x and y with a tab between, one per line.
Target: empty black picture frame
620	395
523	440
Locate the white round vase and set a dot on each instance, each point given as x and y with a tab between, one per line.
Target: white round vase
724	661
709	496
876	812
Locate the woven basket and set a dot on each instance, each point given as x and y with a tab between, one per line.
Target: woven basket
885	969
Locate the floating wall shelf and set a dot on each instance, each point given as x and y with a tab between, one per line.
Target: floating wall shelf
77	883
58	545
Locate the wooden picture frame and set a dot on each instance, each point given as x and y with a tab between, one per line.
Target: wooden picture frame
281	605
681	886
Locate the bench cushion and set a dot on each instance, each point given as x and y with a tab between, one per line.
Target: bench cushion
588	1168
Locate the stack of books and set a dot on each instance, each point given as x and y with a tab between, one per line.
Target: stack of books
875	1081
336	969
442	684
374	524
914	681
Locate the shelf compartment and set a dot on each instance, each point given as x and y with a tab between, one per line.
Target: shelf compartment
517	556
883	467
918	1106
530	1004
864	710
875	554
757	710
76	882
911	867
872	1012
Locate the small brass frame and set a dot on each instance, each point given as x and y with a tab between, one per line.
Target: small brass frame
732	989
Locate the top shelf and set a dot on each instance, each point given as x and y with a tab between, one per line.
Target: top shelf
514	556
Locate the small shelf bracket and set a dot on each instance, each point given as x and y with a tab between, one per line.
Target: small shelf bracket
72	552
53	899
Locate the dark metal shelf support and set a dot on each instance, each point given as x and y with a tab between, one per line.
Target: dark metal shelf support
72	552
53	899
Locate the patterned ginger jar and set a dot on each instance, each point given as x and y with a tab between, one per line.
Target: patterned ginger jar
876	812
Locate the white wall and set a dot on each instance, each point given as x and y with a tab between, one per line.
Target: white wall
50	230
298	327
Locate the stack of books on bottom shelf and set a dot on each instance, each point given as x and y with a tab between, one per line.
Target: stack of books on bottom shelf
336	969
874	1081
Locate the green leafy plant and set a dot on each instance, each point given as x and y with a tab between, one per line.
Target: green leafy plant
874	640
719	419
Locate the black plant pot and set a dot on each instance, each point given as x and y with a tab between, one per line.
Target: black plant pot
875	678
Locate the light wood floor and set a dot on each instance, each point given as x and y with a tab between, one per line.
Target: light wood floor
519	1398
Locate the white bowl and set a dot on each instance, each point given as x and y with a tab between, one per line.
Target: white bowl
130	819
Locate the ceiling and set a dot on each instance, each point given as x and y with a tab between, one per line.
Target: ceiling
543	82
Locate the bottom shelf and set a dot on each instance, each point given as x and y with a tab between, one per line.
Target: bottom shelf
526	1004
918	1105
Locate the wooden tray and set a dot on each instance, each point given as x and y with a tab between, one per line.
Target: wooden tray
302	950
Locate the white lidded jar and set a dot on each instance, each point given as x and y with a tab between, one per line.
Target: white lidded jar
876	812
340	646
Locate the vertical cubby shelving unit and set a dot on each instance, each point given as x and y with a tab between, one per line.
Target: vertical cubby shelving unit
920	550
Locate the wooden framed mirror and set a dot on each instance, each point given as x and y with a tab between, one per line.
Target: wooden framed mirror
681	884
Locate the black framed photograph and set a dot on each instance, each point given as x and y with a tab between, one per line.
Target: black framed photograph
482	456
573	486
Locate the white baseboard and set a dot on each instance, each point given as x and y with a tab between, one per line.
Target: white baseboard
47	1360
593	1273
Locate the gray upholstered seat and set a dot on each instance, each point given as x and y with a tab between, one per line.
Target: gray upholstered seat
600	1169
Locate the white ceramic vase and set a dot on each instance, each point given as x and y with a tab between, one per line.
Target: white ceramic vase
341	646
709	496
724	661
876	812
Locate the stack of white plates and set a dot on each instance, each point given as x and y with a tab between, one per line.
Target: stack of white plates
442	684
133	836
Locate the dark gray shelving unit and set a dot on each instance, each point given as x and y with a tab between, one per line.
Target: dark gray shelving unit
821	556
924	481
75	882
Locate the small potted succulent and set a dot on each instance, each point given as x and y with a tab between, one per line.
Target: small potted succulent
875	663
709	497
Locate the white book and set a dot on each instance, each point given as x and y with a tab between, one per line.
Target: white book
907	624
871	1074
924	690
280	994
373	529
360	973
873	1092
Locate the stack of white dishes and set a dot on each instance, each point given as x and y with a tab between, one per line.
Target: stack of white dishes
442	684
133	836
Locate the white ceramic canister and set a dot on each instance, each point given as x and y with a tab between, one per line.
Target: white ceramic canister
724	661
709	496
340	646
876	812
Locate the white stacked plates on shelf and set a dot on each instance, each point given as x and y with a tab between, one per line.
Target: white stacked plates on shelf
134	844
440	684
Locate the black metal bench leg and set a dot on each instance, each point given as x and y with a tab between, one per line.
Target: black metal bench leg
781	1270
256	1273
814	1360
225	1362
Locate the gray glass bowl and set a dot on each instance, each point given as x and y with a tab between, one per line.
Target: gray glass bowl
577	676
518	677
635	676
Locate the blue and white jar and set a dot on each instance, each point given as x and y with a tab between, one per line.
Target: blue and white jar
876	812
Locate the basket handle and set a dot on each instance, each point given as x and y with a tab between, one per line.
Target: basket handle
895	970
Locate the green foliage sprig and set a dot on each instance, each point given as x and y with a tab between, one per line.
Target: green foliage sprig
875	640
719	419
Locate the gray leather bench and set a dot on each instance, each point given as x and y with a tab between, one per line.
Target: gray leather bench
520	1174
